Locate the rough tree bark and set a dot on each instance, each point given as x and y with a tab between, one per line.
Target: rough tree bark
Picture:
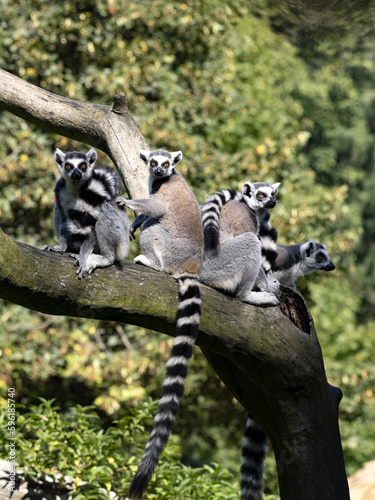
270	359
113	130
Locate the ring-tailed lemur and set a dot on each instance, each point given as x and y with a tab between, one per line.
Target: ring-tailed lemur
233	250
254	447
292	262
172	241
233	259
86	217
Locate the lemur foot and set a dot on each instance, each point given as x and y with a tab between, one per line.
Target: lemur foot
143	260
263	299
84	269
57	248
83	266
132	232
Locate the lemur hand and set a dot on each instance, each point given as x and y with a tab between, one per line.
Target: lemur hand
132	231
121	202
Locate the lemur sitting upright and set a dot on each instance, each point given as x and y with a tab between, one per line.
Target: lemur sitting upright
86	217
233	251
294	261
172	241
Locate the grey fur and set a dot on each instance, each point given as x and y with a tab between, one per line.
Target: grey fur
169	217
234	266
253	453
87	220
295	261
109	241
236	270
171	241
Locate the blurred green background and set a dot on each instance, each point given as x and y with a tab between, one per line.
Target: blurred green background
260	91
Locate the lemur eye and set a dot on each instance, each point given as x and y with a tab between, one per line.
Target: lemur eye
83	166
166	164
68	167
319	258
260	195
273	196
153	164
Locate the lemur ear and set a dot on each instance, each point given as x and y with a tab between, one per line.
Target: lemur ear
176	157
59	158
92	156
247	189
144	155
275	186
307	248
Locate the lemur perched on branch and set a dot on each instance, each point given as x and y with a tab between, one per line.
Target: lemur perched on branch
233	246
172	241
87	220
224	223
295	261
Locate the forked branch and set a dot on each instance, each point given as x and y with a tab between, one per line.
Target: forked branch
111	129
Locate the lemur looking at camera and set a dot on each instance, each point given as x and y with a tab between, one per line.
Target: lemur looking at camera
233	250
87	220
171	240
285	263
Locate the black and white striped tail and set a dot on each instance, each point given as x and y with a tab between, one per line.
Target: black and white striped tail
110	180
188	318
103	185
253	452
210	210
268	239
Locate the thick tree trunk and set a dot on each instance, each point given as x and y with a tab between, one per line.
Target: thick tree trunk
273	368
270	359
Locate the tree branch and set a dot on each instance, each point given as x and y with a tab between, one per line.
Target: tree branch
113	130
46	282
274	369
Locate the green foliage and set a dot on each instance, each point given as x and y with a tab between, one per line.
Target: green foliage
248	91
73	451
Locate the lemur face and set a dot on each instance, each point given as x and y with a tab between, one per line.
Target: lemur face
75	166
160	162
260	196
316	256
